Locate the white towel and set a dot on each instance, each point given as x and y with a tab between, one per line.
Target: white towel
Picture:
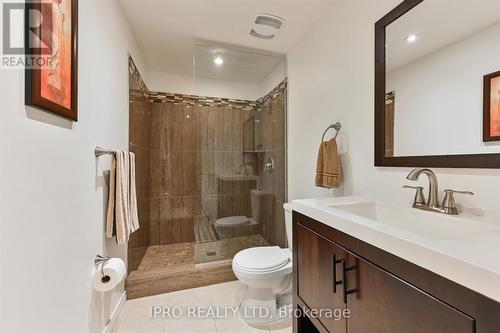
134	216
110	217
122	217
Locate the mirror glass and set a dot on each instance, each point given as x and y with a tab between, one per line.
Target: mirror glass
437	55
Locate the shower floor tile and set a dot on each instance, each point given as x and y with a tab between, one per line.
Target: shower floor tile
167	268
164	256
225	249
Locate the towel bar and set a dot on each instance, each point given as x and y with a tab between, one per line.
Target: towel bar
99	152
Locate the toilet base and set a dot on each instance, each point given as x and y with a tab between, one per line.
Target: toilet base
262	306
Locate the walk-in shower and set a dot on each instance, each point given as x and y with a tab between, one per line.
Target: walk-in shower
212	169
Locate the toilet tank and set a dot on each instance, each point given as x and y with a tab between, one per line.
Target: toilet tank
288	224
256	202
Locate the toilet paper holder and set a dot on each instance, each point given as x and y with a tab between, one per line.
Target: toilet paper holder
101	260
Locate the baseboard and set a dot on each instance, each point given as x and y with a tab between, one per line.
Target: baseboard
115	314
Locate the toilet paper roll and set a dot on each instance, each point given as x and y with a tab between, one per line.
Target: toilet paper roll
114	272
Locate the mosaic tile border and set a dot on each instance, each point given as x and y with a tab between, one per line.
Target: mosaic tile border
193	100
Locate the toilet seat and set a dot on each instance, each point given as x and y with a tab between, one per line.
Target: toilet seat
263	259
232	221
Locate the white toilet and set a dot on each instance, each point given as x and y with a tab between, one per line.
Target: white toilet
236	226
267	273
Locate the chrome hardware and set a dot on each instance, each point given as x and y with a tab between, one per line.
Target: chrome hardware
337	126
419	195
432	200
448	206
101	260
269	165
98	151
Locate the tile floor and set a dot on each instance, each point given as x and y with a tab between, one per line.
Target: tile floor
135	316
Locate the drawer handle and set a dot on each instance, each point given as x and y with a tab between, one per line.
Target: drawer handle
345	269
335	262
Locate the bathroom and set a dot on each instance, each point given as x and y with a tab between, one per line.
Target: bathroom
224	105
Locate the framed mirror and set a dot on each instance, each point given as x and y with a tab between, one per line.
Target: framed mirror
437	85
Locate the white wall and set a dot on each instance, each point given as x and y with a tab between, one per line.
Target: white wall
183	84
331	78
439	98
52	190
274	78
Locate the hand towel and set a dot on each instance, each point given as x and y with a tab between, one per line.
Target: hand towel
122	217
122	198
110	217
328	168
134	216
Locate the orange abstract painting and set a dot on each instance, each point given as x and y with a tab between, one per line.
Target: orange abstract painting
51	28
495	106
56	80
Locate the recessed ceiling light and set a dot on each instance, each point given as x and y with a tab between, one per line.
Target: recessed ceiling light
411	39
218	60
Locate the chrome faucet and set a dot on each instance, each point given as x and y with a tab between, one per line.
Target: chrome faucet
447	207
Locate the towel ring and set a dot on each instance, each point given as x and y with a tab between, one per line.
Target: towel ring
337	126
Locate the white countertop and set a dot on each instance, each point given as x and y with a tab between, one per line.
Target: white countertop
459	248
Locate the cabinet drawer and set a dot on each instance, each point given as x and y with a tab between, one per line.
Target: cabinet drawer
316	273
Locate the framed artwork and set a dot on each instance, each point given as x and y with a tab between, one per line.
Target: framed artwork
52	82
491	113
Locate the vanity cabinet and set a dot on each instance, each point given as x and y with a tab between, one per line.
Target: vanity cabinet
318	287
383	293
384	303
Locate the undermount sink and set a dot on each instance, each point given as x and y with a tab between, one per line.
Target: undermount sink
427	224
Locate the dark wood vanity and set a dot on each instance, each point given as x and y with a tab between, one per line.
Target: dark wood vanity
382	292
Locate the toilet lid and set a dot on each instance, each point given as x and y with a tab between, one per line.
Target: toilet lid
232	221
263	258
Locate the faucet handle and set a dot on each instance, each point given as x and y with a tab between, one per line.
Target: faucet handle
419	195
449	205
459	192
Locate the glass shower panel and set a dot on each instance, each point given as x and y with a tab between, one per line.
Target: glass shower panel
238	144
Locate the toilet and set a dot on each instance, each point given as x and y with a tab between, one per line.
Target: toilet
266	272
237	226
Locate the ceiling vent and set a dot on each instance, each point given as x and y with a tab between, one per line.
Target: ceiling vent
266	26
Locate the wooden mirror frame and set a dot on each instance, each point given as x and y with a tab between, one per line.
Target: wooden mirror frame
485	161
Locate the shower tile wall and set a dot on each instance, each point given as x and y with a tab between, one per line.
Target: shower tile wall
196	152
270	138
198	158
139	143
